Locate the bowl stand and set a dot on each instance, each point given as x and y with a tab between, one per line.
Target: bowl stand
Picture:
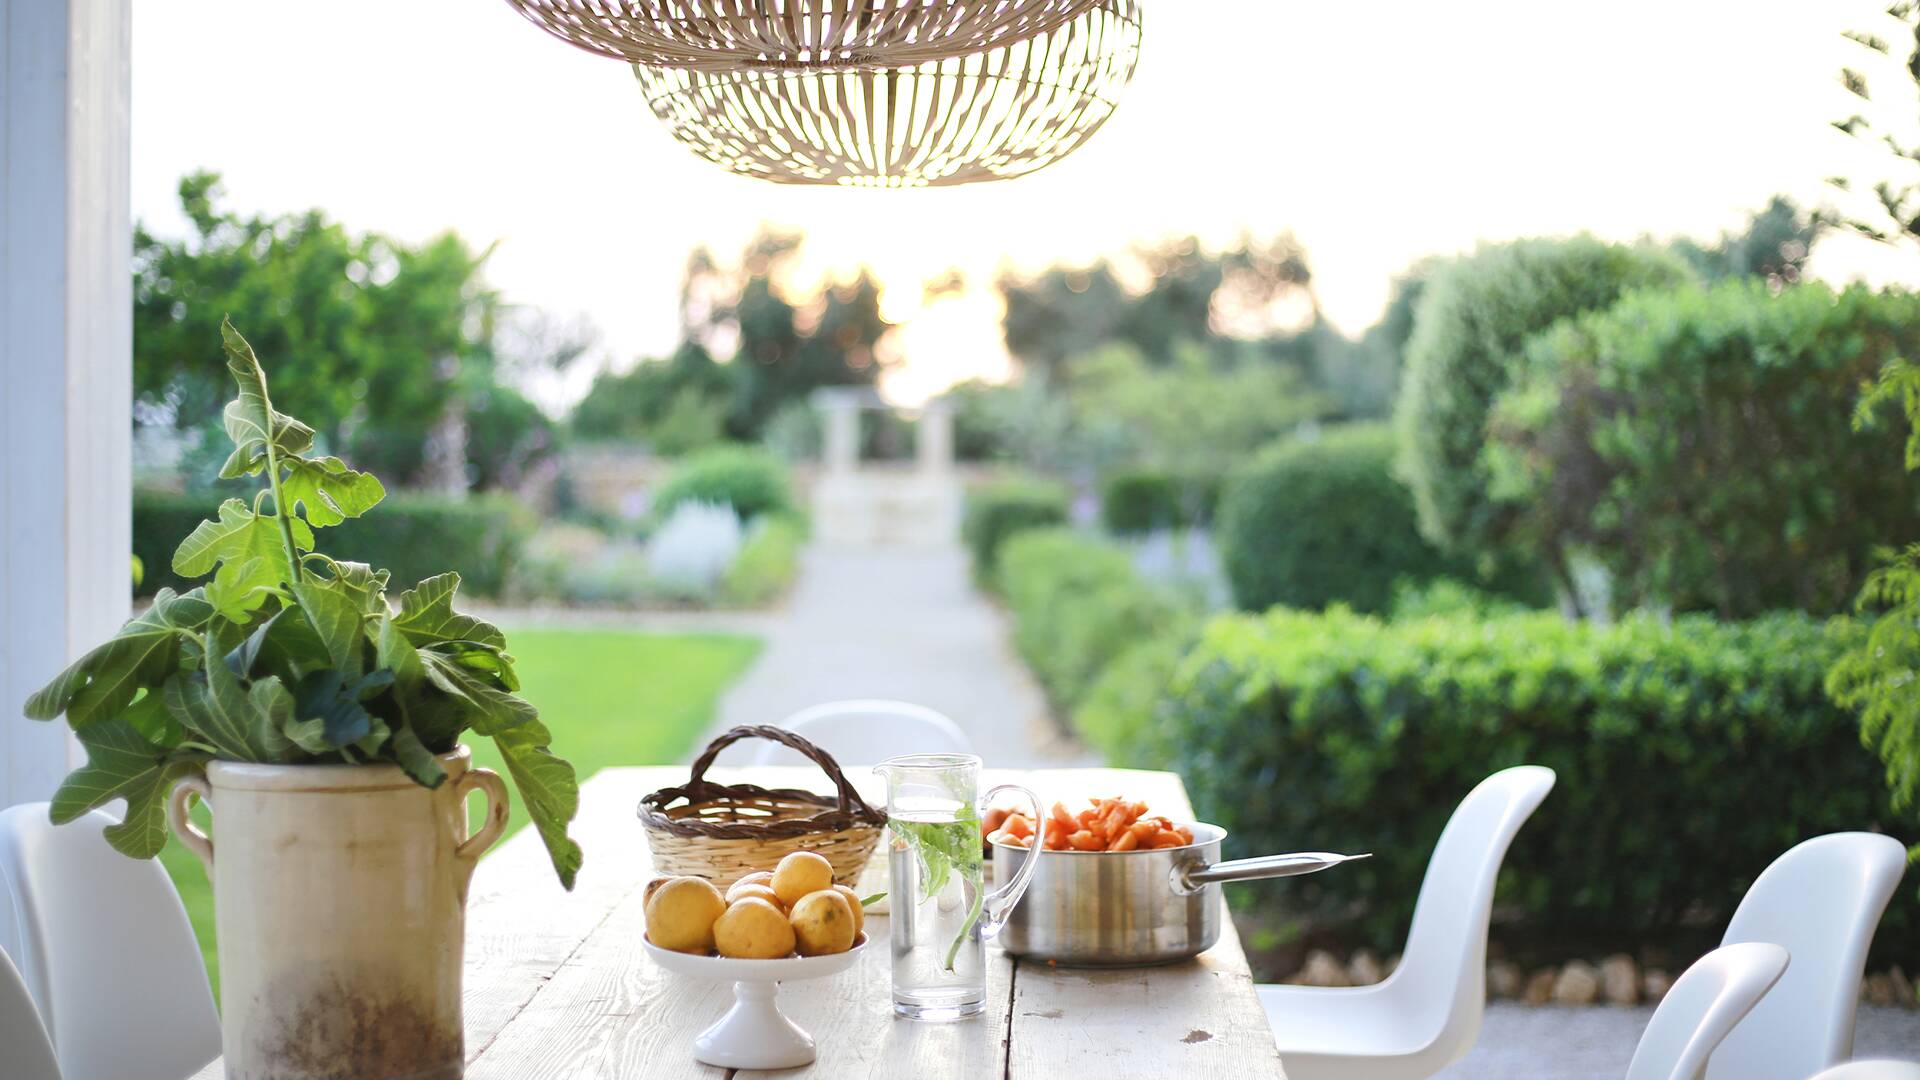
754	1034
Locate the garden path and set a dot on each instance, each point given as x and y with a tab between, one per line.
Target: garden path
901	622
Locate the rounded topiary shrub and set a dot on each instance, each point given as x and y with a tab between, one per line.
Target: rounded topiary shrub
747	478
997	511
1307	524
1469	329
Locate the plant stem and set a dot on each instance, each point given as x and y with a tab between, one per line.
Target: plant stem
280	508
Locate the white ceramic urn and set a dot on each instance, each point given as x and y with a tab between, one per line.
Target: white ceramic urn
340	905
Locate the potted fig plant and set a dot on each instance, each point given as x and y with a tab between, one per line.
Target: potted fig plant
321	724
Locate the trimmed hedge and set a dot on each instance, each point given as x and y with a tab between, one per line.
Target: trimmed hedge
1077	605
996	511
1699	442
1143	500
1308	524
751	480
414	535
1689	757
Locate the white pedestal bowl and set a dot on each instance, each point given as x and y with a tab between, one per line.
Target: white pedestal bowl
754	1034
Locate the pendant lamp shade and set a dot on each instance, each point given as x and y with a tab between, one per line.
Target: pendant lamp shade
992	115
808	35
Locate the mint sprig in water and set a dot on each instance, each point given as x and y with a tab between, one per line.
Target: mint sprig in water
944	847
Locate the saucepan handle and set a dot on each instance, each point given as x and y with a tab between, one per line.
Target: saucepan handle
1192	877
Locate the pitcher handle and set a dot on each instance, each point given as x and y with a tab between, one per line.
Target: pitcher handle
191	838
999	903
469	850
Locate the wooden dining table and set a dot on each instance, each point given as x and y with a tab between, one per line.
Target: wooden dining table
557	984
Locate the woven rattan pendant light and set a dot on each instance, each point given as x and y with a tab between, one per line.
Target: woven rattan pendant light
817	35
993	115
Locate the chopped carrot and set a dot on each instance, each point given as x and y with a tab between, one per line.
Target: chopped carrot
1060	815
1127	842
1084	841
1143	830
1166	838
1015	841
996	817
1018	825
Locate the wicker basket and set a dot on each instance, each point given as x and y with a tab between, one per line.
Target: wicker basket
724	832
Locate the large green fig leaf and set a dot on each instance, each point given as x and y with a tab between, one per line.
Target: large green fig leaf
337	617
213	705
102	683
549	788
330	712
250	420
241	586
327	492
122	764
491	709
414	757
427	616
238	535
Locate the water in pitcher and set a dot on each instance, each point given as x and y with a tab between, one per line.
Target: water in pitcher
939	886
941	913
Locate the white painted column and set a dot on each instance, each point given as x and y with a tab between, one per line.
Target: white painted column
933	438
841	414
66	359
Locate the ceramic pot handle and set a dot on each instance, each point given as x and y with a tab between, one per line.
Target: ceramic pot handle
190	835
469	850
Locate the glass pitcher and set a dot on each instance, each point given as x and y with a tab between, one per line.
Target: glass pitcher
941	912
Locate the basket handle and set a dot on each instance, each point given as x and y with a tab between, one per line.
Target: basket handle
849	798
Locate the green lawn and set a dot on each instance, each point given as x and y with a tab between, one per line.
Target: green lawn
611	697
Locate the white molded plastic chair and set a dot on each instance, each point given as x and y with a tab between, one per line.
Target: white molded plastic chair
865	732
1702	1007
105	949
23	1038
1872	1070
1821	901
1426	1015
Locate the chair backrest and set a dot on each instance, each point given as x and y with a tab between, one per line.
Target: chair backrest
105	949
23	1038
1822	901
1872	1070
1442	977
1702	1007
867	733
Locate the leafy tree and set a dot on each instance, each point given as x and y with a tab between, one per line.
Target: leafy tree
1473	319
677	404
1190	295
1896	195
1192	416
1876	677
390	337
782	352
1774	246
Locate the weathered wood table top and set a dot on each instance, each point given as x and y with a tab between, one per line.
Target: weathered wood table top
557	984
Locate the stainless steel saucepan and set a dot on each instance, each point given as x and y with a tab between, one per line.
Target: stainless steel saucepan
1130	908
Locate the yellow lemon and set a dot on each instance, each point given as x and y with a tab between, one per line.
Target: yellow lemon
681	914
823	923
753	929
853	901
801	873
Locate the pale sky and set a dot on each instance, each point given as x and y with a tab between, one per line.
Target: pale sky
1377	132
